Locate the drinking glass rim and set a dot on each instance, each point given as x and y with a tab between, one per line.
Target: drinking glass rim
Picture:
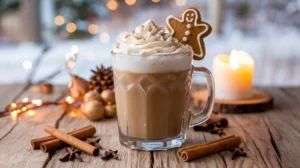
163	54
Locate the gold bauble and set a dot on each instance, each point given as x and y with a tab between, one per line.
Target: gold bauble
93	110
108	96
110	111
92	95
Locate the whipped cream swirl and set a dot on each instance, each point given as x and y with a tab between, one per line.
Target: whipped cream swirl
149	39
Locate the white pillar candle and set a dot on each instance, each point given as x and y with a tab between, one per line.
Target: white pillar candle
233	75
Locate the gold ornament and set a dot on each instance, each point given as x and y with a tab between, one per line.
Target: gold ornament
92	95
93	110
108	96
110	111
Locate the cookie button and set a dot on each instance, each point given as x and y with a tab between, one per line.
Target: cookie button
189	26
187	33
184	38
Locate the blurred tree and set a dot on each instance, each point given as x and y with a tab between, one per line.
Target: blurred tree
74	17
7	6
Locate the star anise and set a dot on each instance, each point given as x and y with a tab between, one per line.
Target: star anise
237	152
219	131
110	154
72	154
94	142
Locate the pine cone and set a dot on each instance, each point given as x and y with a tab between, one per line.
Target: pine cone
101	79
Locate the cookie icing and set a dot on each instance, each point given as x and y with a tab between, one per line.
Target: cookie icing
149	39
192	23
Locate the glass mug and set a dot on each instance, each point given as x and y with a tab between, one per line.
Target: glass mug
152	98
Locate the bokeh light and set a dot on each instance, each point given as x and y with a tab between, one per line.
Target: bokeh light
13	105
25	100
155	1
104	37
93	29
70	57
37	102
130	2
69	100
75	49
180	2
31	112
71	27
71	64
112	5
27	64
59	20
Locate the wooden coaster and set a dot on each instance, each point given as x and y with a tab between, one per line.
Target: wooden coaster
259	102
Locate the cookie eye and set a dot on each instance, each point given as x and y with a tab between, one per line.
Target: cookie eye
188	14
193	14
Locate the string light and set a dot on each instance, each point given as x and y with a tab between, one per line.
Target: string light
112	5
69	100
71	27
75	49
59	20
72	114
104	37
130	2
180	2
14	112
13	105
26	106
14	115
37	102
31	112
93	28
155	1
27	64
25	100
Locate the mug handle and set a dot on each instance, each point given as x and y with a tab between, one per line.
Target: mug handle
200	117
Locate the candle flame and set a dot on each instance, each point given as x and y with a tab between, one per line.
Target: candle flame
233	61
37	102
69	100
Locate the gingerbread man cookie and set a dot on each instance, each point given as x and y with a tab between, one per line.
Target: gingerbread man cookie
189	29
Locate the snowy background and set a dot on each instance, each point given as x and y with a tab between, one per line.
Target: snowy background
270	33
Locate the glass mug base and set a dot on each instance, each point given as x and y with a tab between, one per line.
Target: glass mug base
151	145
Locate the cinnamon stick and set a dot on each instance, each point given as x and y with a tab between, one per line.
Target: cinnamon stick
75	142
35	143
200	150
57	143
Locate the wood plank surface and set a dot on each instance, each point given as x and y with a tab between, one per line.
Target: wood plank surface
271	139
16	144
8	93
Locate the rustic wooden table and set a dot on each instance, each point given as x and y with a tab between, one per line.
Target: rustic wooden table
271	139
